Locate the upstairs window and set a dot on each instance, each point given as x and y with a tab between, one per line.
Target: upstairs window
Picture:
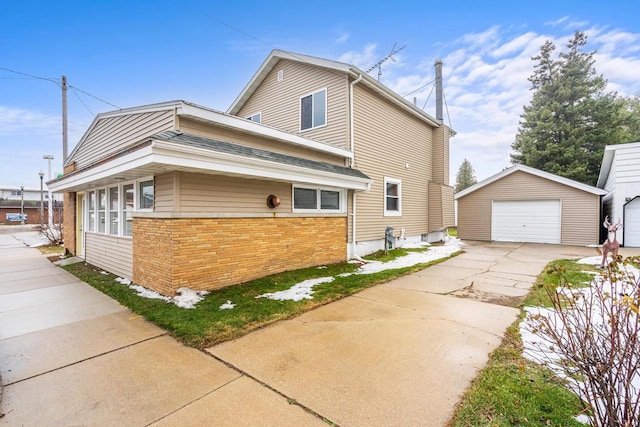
145	201
313	110
392	197
255	118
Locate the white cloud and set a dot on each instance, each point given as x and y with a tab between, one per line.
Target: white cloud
342	38
363	59
16	120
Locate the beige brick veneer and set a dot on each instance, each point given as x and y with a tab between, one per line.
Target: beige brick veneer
211	253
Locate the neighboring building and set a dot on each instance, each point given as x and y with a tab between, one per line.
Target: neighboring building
620	177
523	204
13	204
175	194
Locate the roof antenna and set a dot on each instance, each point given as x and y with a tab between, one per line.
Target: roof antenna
383	60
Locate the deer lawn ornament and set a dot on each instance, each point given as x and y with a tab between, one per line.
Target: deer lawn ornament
611	244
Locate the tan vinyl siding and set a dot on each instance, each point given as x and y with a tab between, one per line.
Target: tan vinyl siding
113	254
440	157
387	140
279	101
164	192
441	214
580	209
234	136
224	194
112	134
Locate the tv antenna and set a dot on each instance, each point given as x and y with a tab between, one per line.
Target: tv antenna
385	59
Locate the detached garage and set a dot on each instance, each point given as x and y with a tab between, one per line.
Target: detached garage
523	204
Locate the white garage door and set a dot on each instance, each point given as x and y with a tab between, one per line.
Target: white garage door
632	223
535	221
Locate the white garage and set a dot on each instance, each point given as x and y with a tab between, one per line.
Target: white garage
534	221
631	228
524	204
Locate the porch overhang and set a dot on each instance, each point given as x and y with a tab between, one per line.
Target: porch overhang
157	156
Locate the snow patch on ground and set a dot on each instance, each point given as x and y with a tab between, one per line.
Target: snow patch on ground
227	305
297	292
304	290
185	298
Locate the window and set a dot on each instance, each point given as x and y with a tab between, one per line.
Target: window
146	195
16	193
91	211
313	110
317	199
127	209
110	210
102	205
255	118
114	210
392	197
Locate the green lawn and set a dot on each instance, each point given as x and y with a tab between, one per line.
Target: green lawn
206	324
512	391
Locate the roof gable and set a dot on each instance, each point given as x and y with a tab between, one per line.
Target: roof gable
276	55
532	171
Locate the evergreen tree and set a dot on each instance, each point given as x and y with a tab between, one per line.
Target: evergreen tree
571	118
465	177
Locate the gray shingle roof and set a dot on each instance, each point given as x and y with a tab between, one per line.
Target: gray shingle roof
254	153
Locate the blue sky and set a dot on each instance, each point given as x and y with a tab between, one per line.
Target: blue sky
132	53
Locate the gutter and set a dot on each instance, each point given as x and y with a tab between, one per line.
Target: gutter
353	161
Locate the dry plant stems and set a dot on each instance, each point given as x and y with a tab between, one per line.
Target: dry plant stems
590	338
53	232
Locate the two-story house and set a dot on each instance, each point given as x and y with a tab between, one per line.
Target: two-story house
310	164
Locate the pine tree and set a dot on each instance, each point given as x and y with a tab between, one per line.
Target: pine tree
465	177
571	118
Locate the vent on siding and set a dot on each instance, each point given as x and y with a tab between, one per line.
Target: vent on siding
280	75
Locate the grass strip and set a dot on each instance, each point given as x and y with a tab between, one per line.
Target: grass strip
206	324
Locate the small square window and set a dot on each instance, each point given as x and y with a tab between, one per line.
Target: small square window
305	198
317	199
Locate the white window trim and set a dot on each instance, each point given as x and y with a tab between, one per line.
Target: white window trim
121	210
343	199
398	182
251	116
326	104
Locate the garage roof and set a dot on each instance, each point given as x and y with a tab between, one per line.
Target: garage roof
532	171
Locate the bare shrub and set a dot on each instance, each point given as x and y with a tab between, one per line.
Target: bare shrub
590	338
53	232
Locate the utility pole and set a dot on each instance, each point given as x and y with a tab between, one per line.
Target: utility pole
22	205
64	121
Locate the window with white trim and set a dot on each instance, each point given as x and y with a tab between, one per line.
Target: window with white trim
316	199
110	210
313	110
114	211
392	197
102	205
255	118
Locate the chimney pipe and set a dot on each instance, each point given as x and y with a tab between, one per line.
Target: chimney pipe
438	66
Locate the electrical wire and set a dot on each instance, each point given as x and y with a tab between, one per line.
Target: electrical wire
94	97
80	99
32	76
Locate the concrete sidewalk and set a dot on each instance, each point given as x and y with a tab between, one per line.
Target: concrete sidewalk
70	355
401	353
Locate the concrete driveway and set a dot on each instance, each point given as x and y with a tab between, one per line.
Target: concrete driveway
401	353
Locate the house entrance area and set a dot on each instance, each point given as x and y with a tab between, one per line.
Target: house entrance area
532	221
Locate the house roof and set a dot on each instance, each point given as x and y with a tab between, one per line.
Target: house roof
277	55
176	151
532	171
607	160
200	113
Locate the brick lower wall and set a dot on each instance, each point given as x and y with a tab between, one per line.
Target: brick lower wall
211	253
69	223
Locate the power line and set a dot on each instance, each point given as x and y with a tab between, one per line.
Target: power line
31	75
81	101
94	97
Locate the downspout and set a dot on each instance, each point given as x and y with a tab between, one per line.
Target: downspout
353	159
